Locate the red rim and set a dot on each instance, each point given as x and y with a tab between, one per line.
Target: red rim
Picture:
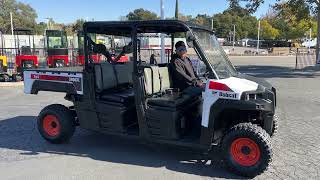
245	151
51	125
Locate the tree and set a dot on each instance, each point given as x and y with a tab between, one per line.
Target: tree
302	9
23	15
223	24
267	31
78	25
203	20
142	14
251	6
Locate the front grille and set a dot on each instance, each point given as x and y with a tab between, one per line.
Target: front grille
252	96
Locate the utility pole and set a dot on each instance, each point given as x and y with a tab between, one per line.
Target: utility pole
258	42
11	21
318	34
310	37
177	10
212	24
163	53
234	35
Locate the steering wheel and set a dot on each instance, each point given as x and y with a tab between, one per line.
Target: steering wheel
206	74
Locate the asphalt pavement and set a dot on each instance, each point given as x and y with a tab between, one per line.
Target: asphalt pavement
25	155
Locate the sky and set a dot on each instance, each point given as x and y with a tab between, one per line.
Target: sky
67	11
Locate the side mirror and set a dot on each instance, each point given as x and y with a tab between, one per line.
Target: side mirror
190	39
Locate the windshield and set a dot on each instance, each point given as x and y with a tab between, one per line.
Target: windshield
215	54
57	39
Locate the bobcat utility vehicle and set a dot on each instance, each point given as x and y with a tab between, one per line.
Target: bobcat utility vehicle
4	77
232	119
57	48
25	53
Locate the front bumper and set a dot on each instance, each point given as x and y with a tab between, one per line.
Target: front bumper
265	102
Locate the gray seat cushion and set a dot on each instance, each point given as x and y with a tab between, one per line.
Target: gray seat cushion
108	76
157	79
104	76
174	100
124	72
125	97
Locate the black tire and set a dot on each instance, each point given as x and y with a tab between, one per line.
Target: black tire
16	78
56	124
2	78
6	78
256	145
275	126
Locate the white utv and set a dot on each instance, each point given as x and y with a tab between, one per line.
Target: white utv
232	119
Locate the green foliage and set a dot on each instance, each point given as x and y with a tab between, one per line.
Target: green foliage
300	8
293	19
251	6
142	14
23	15
267	31
246	26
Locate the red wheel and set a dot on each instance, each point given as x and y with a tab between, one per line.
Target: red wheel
247	149
51	125
245	152
56	123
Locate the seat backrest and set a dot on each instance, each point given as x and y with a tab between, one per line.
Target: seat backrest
108	76
157	79
165	79
104	76
152	80
124	73
26	50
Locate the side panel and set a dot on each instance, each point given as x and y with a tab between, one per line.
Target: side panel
231	88
35	81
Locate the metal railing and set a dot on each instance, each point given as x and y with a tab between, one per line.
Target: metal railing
305	58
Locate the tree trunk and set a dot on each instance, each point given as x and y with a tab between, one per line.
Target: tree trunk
318	35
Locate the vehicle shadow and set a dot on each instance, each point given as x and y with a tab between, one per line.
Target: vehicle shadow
279	71
20	134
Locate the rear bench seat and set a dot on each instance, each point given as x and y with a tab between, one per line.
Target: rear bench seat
113	82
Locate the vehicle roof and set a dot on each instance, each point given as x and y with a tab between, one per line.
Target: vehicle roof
26	30
54	30
148	26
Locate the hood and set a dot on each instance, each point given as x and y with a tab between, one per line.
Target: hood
259	81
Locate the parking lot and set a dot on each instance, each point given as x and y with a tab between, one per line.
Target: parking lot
25	155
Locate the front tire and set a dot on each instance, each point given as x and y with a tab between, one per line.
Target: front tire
56	124
247	149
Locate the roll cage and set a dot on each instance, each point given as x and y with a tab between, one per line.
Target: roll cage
133	28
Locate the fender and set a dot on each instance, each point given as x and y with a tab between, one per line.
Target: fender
35	81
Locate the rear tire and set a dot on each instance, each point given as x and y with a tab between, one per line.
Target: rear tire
56	124
247	149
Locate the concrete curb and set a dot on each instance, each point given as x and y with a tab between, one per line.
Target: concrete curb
11	84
